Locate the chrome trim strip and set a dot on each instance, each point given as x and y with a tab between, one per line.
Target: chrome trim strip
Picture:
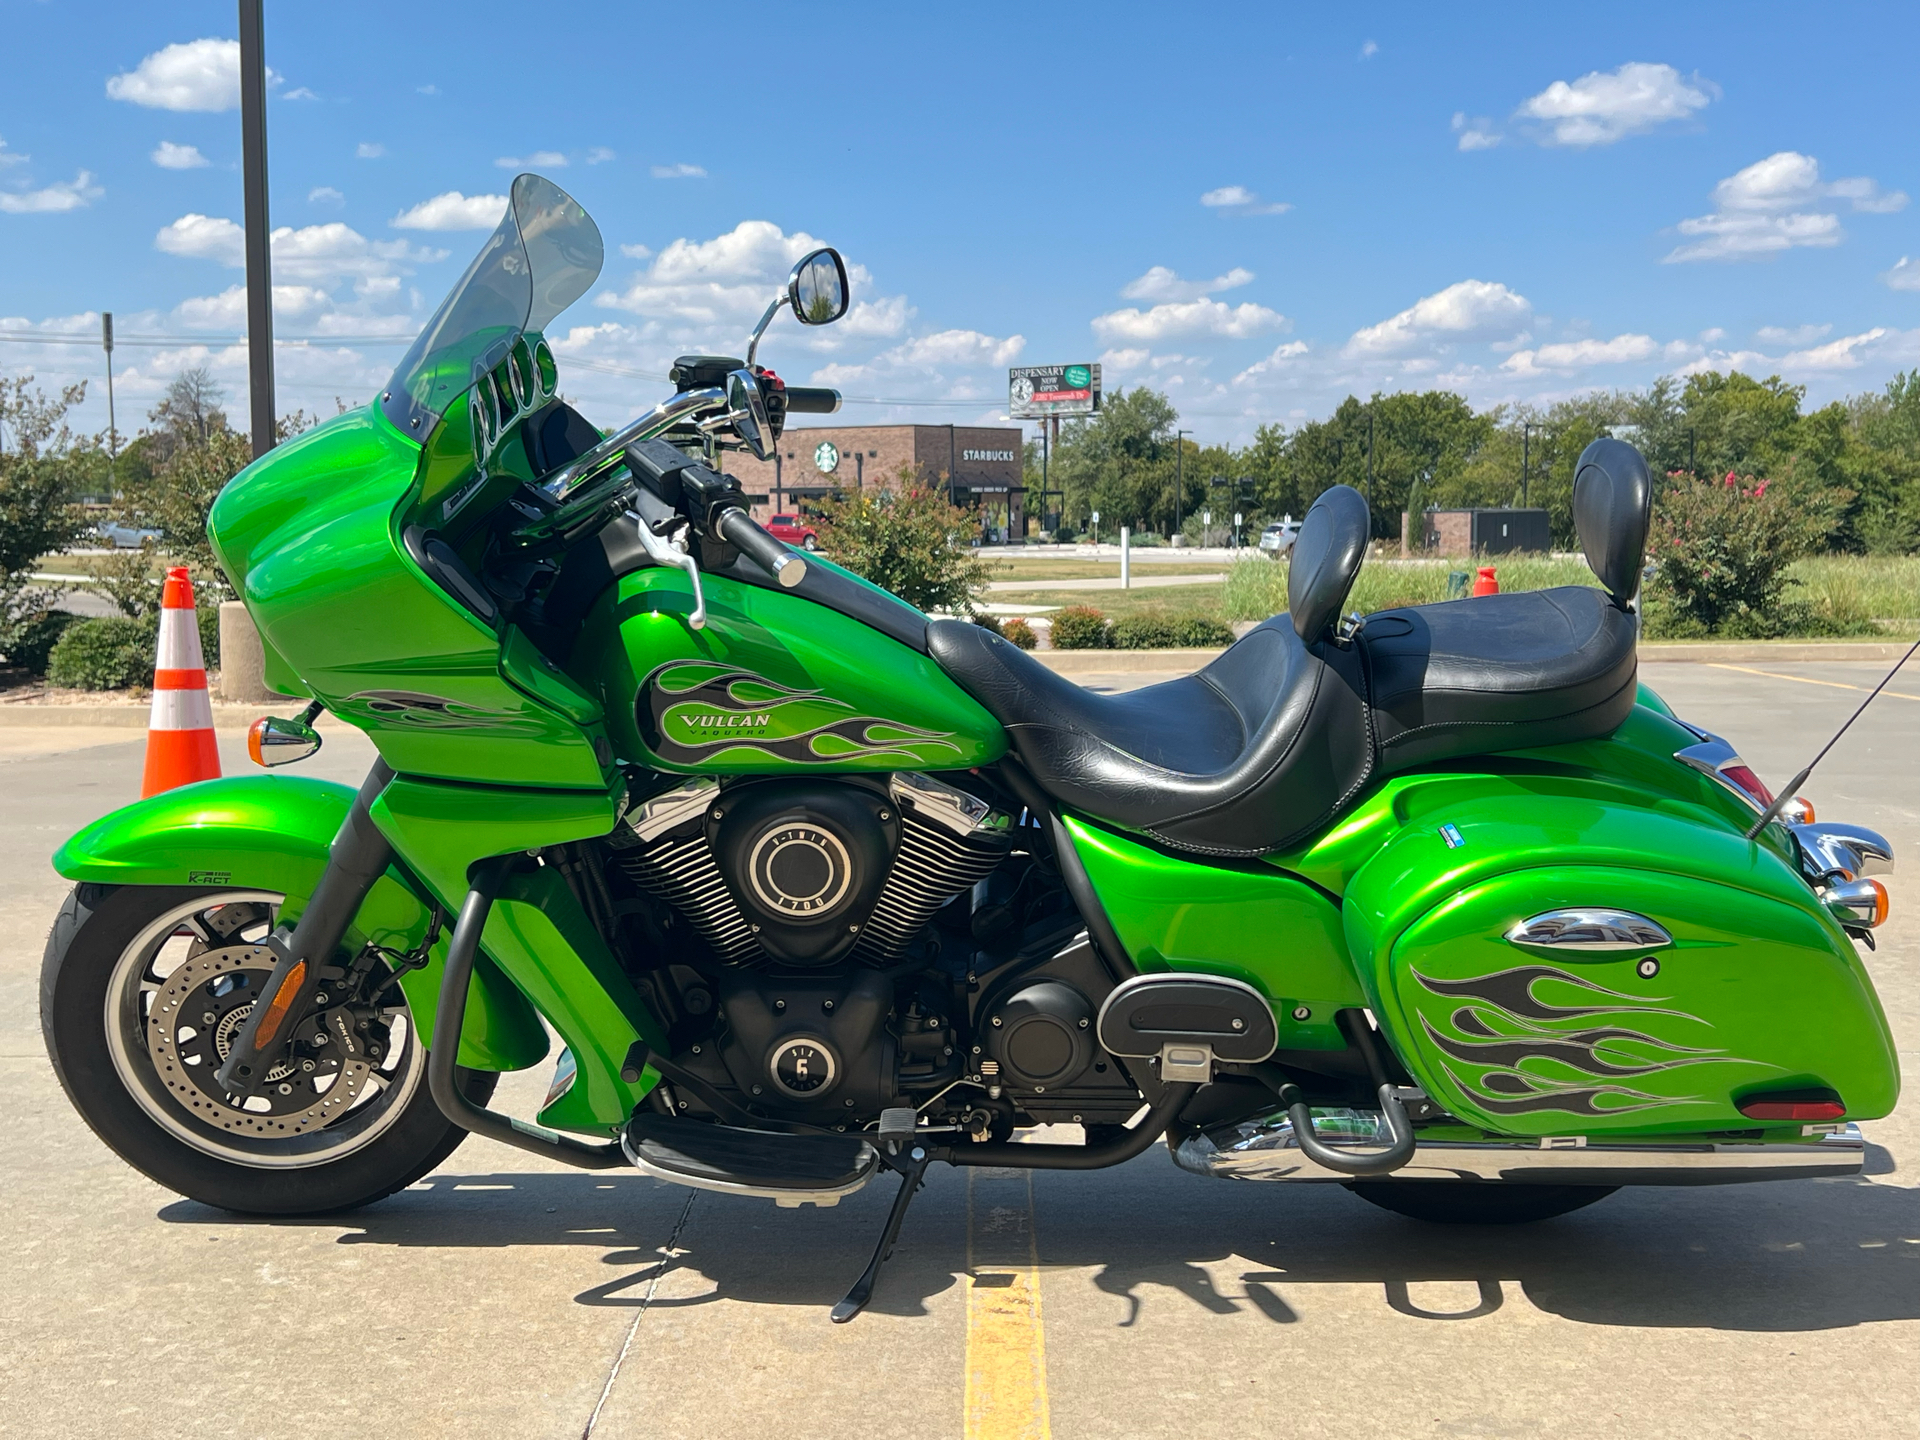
1712	756
944	805
674	808
1265	1150
1589	931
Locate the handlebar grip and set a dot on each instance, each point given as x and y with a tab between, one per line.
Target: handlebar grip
811	400
737	528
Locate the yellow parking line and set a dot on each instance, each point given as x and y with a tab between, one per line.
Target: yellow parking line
1831	684
1006	1351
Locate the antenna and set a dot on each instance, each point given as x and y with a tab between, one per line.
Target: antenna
1801	779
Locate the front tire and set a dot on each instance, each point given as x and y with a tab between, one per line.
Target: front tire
1467	1202
141	1082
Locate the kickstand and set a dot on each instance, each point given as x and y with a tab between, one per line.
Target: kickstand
912	1170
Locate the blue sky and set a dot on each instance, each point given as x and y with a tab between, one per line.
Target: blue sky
1254	209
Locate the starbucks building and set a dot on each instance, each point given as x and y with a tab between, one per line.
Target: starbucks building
981	467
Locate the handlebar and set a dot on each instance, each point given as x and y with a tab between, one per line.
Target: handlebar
811	400
737	528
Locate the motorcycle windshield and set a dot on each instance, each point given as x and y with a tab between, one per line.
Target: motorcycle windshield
542	258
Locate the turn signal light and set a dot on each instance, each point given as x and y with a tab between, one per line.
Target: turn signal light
1797	811
273	741
1858	902
1800	1105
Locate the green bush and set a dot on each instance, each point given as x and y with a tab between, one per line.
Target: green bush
1020	633
1166	632
37	639
988	622
1721	549
108	654
1080	627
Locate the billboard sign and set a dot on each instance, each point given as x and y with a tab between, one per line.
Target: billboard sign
1036	391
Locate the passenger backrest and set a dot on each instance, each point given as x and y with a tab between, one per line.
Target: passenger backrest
1326	559
1612	511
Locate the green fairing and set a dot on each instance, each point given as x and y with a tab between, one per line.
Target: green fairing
536	935
1274	931
311	535
271	833
773	683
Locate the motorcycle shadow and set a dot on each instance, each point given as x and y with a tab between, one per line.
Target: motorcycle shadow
1790	1256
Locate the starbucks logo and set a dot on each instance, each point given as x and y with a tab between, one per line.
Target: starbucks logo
826	457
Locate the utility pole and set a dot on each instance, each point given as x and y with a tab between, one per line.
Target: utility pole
1526	427
1179	480
253	164
1369	459
113	431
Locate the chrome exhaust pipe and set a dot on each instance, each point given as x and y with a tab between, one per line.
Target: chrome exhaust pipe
1268	1149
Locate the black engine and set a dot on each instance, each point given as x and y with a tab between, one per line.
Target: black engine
823	950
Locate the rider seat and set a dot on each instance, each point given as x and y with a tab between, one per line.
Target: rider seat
1271	740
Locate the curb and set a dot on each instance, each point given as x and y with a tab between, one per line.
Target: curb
1705	651
135	717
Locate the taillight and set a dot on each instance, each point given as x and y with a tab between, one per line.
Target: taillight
1794	1105
1741	776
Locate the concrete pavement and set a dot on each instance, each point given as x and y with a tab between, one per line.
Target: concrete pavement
504	1297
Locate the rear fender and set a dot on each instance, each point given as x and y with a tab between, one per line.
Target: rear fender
271	832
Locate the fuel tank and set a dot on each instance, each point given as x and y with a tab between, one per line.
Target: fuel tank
773	684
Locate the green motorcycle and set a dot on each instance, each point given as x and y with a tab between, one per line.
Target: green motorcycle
1439	904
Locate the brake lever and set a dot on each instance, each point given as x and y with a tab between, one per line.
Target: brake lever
665	552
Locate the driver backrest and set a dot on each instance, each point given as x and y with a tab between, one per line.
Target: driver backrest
1326	559
1612	512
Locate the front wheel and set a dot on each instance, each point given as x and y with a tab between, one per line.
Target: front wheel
142	992
1467	1202
809	544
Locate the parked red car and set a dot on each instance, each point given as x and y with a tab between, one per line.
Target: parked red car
793	531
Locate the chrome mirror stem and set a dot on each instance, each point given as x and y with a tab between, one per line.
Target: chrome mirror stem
753	343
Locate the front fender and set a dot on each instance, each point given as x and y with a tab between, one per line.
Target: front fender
271	832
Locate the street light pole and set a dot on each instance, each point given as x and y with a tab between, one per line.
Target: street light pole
1179	478
1526	427
113	430
253	164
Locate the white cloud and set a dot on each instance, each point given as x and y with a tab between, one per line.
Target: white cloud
11	157
426	90
1369	50
314	254
196	75
637	252
1475	134
1131	358
1281	359
1239	200
1905	274
74	194
228	309
369	150
599	155
1604	106
1774	205
325	195
453	211
1835	354
961	347
873	319
679	172
729	278
1468	309
1794	335
1191	317
538	160
1160	283
300	93
1577	354
169	156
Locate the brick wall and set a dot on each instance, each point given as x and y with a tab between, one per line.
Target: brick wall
872	455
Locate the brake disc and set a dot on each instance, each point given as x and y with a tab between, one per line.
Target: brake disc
196	1015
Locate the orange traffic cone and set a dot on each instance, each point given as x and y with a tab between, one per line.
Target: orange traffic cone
1485	583
180	743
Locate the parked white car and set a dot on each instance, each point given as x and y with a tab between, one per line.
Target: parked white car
1277	539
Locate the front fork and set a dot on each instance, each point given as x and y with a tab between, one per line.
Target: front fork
358	857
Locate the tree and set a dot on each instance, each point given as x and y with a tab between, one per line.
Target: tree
906	538
41	469
189	414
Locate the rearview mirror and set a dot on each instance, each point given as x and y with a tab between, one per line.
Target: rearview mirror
818	288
